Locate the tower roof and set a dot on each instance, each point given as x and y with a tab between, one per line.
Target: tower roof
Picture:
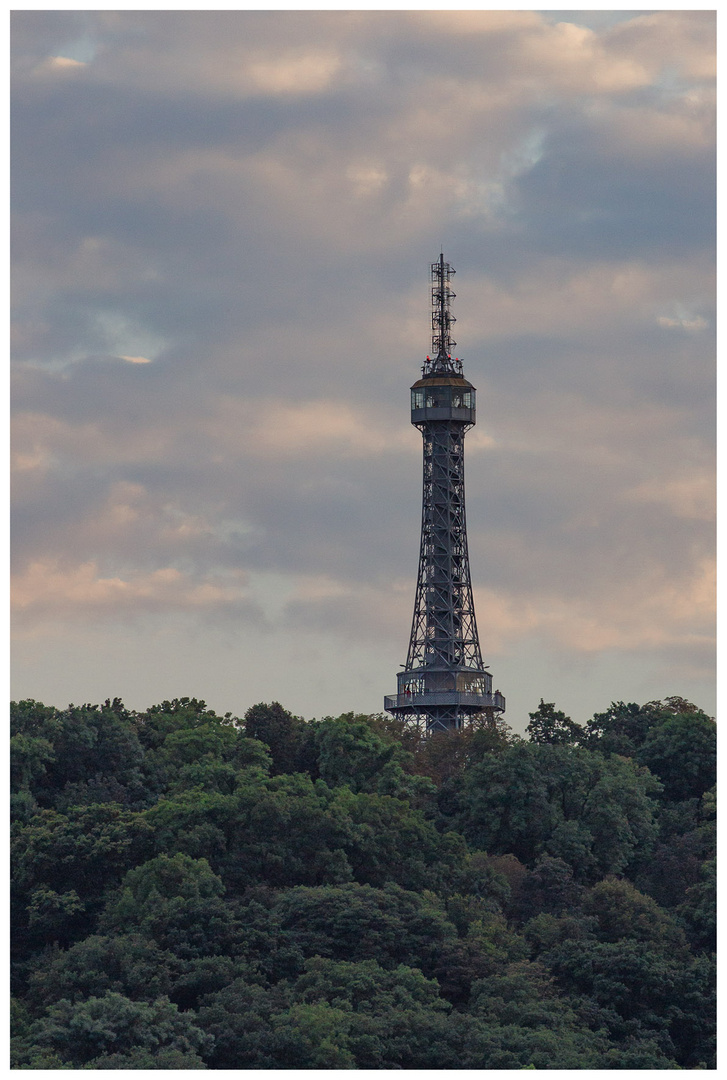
435	379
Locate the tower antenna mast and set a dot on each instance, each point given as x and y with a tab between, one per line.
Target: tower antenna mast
443	343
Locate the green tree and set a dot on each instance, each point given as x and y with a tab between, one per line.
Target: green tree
544	932
86	849
621	729
639	991
63	864
186	744
176	906
127	964
484	948
478	876
157	723
682	752
395	1018
698	912
83	754
551	725
549	888
336	1014
279	830
113	1032
350	752
177	902
527	1022
444	756
29	758
622	912
33	719
289	830
592	812
675	865
55	916
283	734
387	840
358	922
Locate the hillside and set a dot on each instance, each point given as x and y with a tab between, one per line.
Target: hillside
200	891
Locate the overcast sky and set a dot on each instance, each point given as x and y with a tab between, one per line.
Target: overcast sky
223	224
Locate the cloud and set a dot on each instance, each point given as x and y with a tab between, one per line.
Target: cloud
681	39
294	73
695	323
596	294
689	495
65	62
81	593
270	428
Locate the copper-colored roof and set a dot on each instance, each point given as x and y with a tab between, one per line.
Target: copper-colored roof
443	380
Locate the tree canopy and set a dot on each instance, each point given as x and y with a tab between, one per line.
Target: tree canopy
194	891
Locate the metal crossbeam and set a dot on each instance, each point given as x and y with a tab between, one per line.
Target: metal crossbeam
444	632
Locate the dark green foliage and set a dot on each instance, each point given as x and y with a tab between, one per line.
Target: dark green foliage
194	891
550	725
285	736
699	911
358	922
656	733
176	902
446	755
350	752
85	849
593	813
86	754
335	1015
390	1018
113	1032
621	912
549	888
621	729
682	752
289	830
641	992
63	866
529	1023
128	964
181	714
676	863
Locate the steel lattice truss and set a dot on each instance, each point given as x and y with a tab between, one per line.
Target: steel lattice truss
444	631
444	684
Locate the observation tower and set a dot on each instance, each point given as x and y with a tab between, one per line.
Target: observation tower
444	685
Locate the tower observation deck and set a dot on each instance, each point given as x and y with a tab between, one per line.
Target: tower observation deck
444	685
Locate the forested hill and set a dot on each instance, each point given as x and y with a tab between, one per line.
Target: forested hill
196	891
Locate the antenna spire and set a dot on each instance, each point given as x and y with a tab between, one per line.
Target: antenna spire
442	318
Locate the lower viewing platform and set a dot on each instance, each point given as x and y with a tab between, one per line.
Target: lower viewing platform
420	702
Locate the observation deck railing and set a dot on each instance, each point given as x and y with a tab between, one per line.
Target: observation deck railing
421	702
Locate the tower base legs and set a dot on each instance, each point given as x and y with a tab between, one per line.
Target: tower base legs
449	720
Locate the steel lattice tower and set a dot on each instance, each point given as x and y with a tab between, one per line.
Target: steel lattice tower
444	684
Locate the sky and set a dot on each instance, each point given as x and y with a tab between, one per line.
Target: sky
222	225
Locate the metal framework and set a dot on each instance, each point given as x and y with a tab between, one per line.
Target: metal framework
444	684
442	319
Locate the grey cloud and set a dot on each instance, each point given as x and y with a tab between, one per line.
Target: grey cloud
583	196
